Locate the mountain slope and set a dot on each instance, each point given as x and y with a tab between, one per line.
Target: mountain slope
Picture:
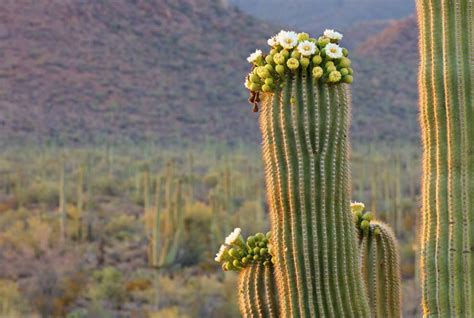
385	90
83	70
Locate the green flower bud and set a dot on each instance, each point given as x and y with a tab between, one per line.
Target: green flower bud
345	52
254	78
317	59
358	216
295	54
274	260
317	72
263	251
269	67
334	76
293	63
280	69
365	225
269	59
228	266
254	87
256	257
263	72
234	253
285	53
273	51
345	62
313	40
269	234
344	71
261	244
304	61
251	241
348	79
266	263
256	250
260	236
329	64
322	42
303	36
351	71
367	216
266	88
331	69
279	58
237	264
245	260
269	81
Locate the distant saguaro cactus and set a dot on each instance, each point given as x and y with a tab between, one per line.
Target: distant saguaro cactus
446	85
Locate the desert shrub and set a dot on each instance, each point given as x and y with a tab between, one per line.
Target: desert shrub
196	236
40	192
121	227
12	302
108	286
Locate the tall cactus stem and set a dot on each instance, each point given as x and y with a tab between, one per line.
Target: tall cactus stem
446	83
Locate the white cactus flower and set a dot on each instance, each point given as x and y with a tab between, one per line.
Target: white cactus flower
221	253
233	237
333	51
288	39
357	207
333	35
272	41
307	48
254	56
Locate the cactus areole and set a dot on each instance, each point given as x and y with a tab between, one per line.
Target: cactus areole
446	84
304	121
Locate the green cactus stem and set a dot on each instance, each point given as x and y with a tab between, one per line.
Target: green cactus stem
446	85
305	127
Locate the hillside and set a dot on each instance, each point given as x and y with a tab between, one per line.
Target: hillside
84	70
88	71
386	90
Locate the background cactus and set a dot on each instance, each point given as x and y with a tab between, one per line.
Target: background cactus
379	261
167	219
446	116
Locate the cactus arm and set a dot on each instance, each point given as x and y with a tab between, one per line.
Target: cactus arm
257	292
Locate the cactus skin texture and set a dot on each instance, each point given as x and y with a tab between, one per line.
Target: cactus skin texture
257	291
380	268
304	126
446	84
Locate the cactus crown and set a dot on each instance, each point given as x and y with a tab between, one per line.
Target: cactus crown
237	253
290	52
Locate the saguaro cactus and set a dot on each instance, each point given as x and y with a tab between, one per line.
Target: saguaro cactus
379	261
446	83
168	219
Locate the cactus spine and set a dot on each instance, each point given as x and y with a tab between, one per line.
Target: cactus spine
305	152
446	83
257	292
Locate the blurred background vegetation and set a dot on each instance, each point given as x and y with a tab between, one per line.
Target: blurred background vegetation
124	123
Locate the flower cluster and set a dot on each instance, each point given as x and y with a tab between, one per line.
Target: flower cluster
362	219
236	253
291	52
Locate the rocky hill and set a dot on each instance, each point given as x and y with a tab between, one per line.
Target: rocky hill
170	71
85	70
